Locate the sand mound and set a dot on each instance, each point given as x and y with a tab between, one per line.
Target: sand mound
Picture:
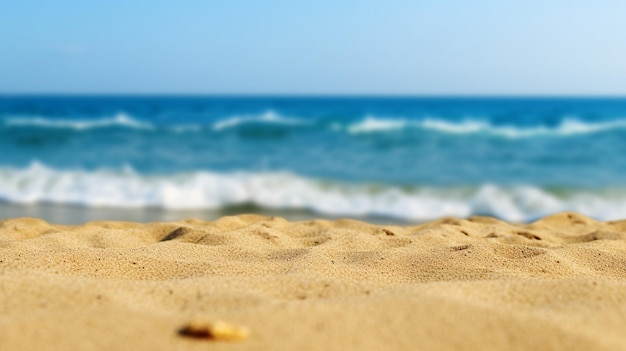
475	284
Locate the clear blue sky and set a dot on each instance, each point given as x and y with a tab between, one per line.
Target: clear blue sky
321	47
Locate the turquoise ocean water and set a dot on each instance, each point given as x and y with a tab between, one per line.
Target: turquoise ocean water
71	159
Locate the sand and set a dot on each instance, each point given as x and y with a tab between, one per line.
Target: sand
262	283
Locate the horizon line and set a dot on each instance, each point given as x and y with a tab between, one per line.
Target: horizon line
311	95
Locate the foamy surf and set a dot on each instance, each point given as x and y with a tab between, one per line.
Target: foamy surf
411	159
118	120
567	127
269	117
210	190
370	124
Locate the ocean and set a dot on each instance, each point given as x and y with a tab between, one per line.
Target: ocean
70	159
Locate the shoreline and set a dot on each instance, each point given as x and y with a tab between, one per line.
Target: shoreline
69	214
449	284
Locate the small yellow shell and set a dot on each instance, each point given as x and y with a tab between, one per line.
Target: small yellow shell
214	330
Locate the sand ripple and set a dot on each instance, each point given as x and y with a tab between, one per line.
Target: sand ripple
456	284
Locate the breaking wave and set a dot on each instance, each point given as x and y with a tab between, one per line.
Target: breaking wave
119	120
209	190
568	126
269	117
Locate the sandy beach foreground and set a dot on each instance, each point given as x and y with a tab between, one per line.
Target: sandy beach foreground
262	283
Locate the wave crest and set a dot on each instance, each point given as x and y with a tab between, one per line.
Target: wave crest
268	117
567	127
119	120
208	190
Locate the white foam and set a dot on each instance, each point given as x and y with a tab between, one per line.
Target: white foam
568	127
463	127
373	124
207	190
267	117
120	119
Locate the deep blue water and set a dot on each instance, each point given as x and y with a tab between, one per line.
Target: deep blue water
405	158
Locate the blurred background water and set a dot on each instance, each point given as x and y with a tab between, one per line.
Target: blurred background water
400	159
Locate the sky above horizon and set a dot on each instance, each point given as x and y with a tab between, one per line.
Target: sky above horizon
482	47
